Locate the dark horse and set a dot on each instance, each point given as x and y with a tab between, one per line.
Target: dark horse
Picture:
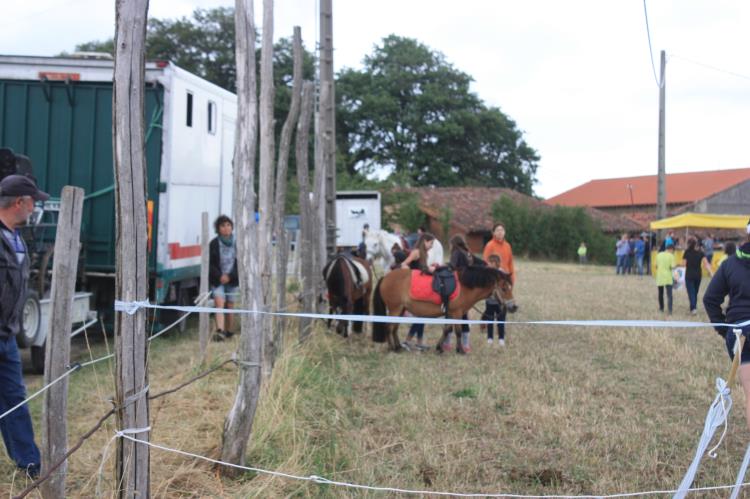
349	282
477	283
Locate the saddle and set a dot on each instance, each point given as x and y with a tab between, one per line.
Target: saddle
444	283
358	271
439	288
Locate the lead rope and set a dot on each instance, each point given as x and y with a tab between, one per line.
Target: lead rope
717	416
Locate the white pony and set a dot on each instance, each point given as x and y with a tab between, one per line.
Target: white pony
380	242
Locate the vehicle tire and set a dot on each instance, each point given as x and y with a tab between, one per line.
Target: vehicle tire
32	320
37	359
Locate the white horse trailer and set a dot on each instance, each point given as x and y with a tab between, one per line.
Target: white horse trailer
354	209
57	112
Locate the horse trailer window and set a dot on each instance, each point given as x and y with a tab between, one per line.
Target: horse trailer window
189	119
211	117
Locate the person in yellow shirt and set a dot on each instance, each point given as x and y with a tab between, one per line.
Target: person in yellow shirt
665	264
582	251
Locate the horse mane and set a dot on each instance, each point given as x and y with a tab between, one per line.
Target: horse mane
479	276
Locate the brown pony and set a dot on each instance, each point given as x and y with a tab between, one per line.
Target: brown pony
349	289
477	283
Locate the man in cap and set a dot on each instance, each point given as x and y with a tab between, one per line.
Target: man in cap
17	196
732	279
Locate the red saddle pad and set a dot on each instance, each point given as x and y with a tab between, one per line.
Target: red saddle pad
421	288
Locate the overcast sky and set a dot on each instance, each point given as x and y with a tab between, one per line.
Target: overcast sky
575	76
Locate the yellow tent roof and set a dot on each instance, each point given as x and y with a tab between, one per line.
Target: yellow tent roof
705	220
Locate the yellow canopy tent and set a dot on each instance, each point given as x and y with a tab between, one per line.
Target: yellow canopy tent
701	220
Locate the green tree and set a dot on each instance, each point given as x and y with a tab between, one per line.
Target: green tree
551	232
411	111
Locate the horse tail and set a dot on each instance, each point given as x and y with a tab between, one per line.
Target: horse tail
379	329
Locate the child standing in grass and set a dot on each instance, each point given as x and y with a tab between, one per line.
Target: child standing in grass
665	264
493	311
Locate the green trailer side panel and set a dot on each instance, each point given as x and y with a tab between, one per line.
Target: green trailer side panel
66	131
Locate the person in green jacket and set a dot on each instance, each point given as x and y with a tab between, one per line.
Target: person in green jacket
582	251
665	264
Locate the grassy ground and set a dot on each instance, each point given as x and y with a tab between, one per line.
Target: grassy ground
558	411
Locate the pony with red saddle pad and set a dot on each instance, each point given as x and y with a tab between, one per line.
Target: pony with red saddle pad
406	289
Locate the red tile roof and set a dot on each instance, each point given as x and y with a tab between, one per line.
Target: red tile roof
681	188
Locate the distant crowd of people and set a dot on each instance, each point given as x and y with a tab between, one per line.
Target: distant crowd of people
633	254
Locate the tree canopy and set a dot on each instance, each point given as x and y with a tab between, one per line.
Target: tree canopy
407	111
410	110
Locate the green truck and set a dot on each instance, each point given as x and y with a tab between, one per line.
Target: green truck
57	112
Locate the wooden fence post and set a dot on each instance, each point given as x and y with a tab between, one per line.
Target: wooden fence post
55	408
305	248
204	319
131	281
239	421
282	236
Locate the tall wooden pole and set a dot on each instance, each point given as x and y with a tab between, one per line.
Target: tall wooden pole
266	177
131	281
203	317
282	167
267	147
239	421
661	201
55	408
305	248
327	116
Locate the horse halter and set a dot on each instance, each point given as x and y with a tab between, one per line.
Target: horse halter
504	284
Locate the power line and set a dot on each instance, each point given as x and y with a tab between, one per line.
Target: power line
708	66
650	50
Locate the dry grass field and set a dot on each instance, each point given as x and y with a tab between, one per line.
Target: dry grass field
559	410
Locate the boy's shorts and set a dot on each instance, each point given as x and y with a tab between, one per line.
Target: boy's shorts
229	293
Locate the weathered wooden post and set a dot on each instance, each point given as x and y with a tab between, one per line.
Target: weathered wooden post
285	142
55	408
203	317
305	247
239	421
265	173
131	281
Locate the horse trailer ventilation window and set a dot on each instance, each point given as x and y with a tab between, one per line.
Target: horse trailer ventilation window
189	120
212	117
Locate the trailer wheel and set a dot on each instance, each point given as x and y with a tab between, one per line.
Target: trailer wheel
32	320
37	359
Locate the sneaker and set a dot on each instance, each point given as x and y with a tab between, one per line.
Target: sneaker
227	334
693	312
501	343
447	347
466	349
422	347
218	336
406	346
489	341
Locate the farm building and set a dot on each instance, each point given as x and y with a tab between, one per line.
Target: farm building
471	212
719	192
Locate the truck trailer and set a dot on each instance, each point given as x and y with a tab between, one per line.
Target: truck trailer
57	112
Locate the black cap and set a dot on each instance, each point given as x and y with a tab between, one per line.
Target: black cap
21	185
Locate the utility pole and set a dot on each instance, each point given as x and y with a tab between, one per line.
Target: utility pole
661	196
327	117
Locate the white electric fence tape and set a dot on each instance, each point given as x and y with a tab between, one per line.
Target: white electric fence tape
133	306
429	493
